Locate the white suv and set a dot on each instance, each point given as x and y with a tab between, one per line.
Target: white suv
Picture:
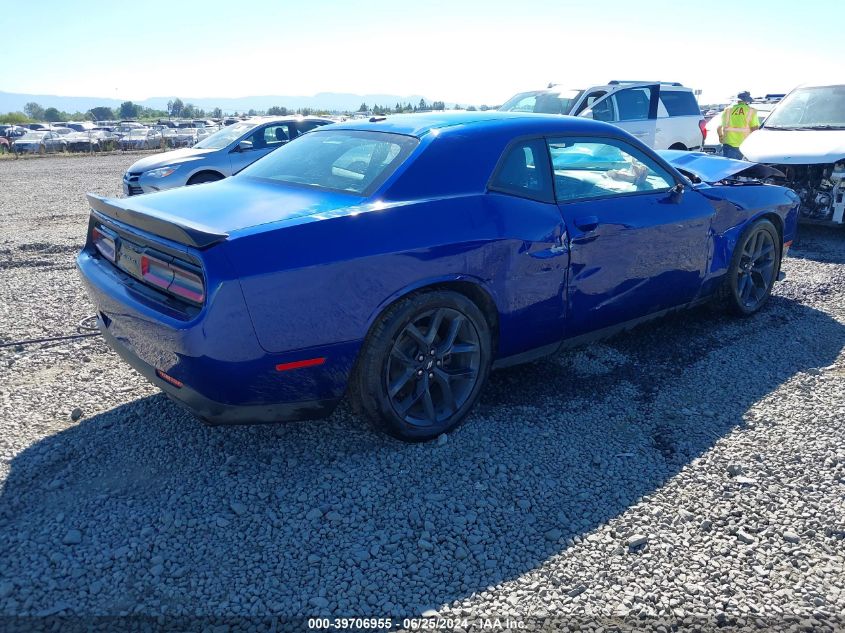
662	115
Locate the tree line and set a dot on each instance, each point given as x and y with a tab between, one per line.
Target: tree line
422	106
176	108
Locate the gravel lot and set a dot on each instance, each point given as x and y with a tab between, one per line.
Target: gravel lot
690	471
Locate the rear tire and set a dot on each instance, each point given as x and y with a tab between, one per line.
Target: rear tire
423	365
755	266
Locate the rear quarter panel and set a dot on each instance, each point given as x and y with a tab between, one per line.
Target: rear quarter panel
672	130
324	282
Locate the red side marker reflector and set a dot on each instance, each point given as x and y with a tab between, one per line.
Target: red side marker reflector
170	379
787	245
298	364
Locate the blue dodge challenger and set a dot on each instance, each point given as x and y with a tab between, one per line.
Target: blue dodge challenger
399	260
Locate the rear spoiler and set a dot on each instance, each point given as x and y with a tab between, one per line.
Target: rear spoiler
174	229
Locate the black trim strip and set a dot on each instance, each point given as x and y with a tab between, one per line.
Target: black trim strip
178	232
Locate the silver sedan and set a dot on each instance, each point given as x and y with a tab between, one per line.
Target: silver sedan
220	155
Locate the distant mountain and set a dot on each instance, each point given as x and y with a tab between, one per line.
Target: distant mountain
341	101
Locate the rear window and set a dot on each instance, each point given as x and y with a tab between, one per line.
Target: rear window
679	103
344	160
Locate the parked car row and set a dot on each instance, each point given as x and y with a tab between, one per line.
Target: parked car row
63	140
105	135
39	142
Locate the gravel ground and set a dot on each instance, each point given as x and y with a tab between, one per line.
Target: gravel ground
691	471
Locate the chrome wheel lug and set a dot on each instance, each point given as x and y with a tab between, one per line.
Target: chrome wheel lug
431	375
420	372
421	358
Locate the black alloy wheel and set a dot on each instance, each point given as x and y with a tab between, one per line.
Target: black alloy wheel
755	268
433	366
423	365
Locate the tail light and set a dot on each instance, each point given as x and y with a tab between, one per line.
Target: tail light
702	125
104	242
172	277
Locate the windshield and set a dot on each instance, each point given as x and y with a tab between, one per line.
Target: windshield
343	160
224	137
810	108
33	136
543	101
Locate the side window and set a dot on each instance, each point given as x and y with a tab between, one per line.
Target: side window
679	103
603	110
596	168
524	170
550	104
270	136
525	104
275	135
633	104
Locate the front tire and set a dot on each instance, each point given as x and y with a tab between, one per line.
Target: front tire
202	177
423	365
754	269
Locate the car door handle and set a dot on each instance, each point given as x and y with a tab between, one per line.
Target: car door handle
587	223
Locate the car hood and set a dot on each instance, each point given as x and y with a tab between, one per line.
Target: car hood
795	147
176	157
712	169
206	214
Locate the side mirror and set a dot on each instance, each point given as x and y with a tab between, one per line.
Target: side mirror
587	114
677	192
238	148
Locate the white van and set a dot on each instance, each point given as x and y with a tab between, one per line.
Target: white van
663	115
804	137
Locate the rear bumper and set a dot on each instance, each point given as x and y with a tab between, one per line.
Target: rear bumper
220	413
225	375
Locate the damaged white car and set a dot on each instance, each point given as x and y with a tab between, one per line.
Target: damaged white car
804	137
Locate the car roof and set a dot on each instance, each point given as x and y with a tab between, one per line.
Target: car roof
419	125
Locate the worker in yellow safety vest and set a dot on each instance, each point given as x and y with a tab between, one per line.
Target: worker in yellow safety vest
738	122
